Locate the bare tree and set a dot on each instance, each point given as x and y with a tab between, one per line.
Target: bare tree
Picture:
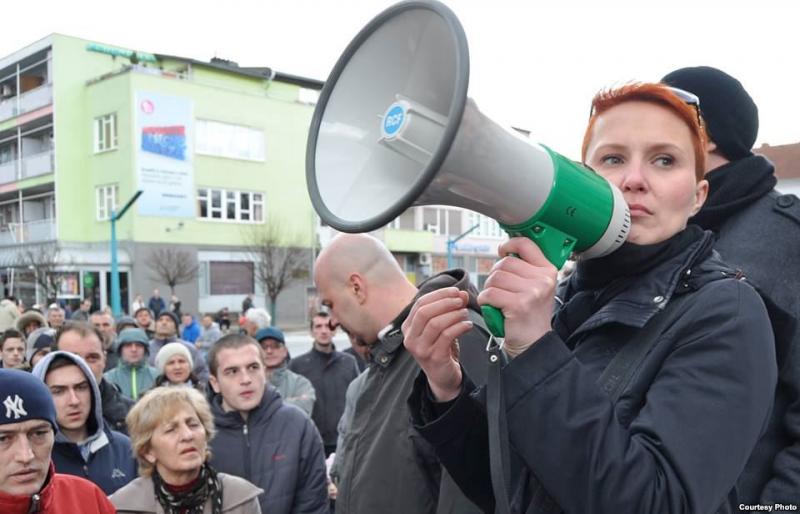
278	261
41	260
172	267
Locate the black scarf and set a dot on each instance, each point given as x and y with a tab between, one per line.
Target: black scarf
193	501
733	186
596	281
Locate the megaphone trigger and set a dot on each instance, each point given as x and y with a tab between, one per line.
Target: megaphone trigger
555	245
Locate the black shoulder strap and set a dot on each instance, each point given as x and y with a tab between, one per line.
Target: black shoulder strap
499	458
620	370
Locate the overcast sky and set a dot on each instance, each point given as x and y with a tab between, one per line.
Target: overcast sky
532	66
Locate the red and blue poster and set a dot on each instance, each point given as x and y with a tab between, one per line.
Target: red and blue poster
164	134
166	141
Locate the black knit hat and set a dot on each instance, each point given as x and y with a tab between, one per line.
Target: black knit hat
171	315
730	114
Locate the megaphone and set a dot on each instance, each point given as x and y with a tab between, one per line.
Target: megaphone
394	128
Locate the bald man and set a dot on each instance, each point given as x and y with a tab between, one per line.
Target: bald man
368	294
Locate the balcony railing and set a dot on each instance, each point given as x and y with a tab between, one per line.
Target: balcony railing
32	166
8	108
30	232
8	172
35	98
37	164
7	237
27	102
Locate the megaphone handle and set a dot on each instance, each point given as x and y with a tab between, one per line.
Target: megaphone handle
495	321
556	247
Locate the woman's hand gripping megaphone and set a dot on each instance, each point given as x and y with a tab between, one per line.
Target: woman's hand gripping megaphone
521	286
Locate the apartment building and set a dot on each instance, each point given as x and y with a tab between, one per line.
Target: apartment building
216	149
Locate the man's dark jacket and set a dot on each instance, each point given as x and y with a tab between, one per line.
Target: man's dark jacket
330	374
387	466
156	305
115	406
105	457
759	233
277	449
703	390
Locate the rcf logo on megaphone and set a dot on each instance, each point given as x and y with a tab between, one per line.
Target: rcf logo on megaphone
393	119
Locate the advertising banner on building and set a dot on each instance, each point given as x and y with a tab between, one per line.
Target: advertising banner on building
164	155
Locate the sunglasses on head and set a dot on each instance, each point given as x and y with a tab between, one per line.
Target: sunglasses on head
687	98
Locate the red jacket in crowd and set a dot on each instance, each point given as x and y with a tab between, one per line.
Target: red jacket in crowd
62	494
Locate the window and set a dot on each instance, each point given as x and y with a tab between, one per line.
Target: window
106	201
230	277
438	220
105	133
487	227
231	141
221	204
405	221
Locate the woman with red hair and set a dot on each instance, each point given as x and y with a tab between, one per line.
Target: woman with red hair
647	388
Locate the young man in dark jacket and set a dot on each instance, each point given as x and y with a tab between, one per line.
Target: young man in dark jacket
85	446
261	439
330	372
28	480
758	231
369	296
86	341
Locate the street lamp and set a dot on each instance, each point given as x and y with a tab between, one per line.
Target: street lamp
451	245
116	303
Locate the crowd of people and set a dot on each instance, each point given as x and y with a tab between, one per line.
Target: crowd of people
118	383
665	377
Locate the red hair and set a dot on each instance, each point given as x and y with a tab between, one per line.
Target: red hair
658	94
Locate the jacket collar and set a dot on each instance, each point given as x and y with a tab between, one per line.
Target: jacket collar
635	305
270	403
128	366
139	495
389	345
390	338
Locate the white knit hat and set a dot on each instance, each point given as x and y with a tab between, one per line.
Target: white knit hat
169	350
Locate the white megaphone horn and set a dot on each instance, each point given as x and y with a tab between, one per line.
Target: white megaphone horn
394	128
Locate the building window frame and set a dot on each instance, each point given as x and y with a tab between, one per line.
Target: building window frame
487	227
229	141
106	196
105	133
230	205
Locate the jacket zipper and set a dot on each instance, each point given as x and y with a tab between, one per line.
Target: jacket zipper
35	500
134	391
246	452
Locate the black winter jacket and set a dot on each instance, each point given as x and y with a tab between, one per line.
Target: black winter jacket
387	467
678	436
330	374
277	449
763	240
115	406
